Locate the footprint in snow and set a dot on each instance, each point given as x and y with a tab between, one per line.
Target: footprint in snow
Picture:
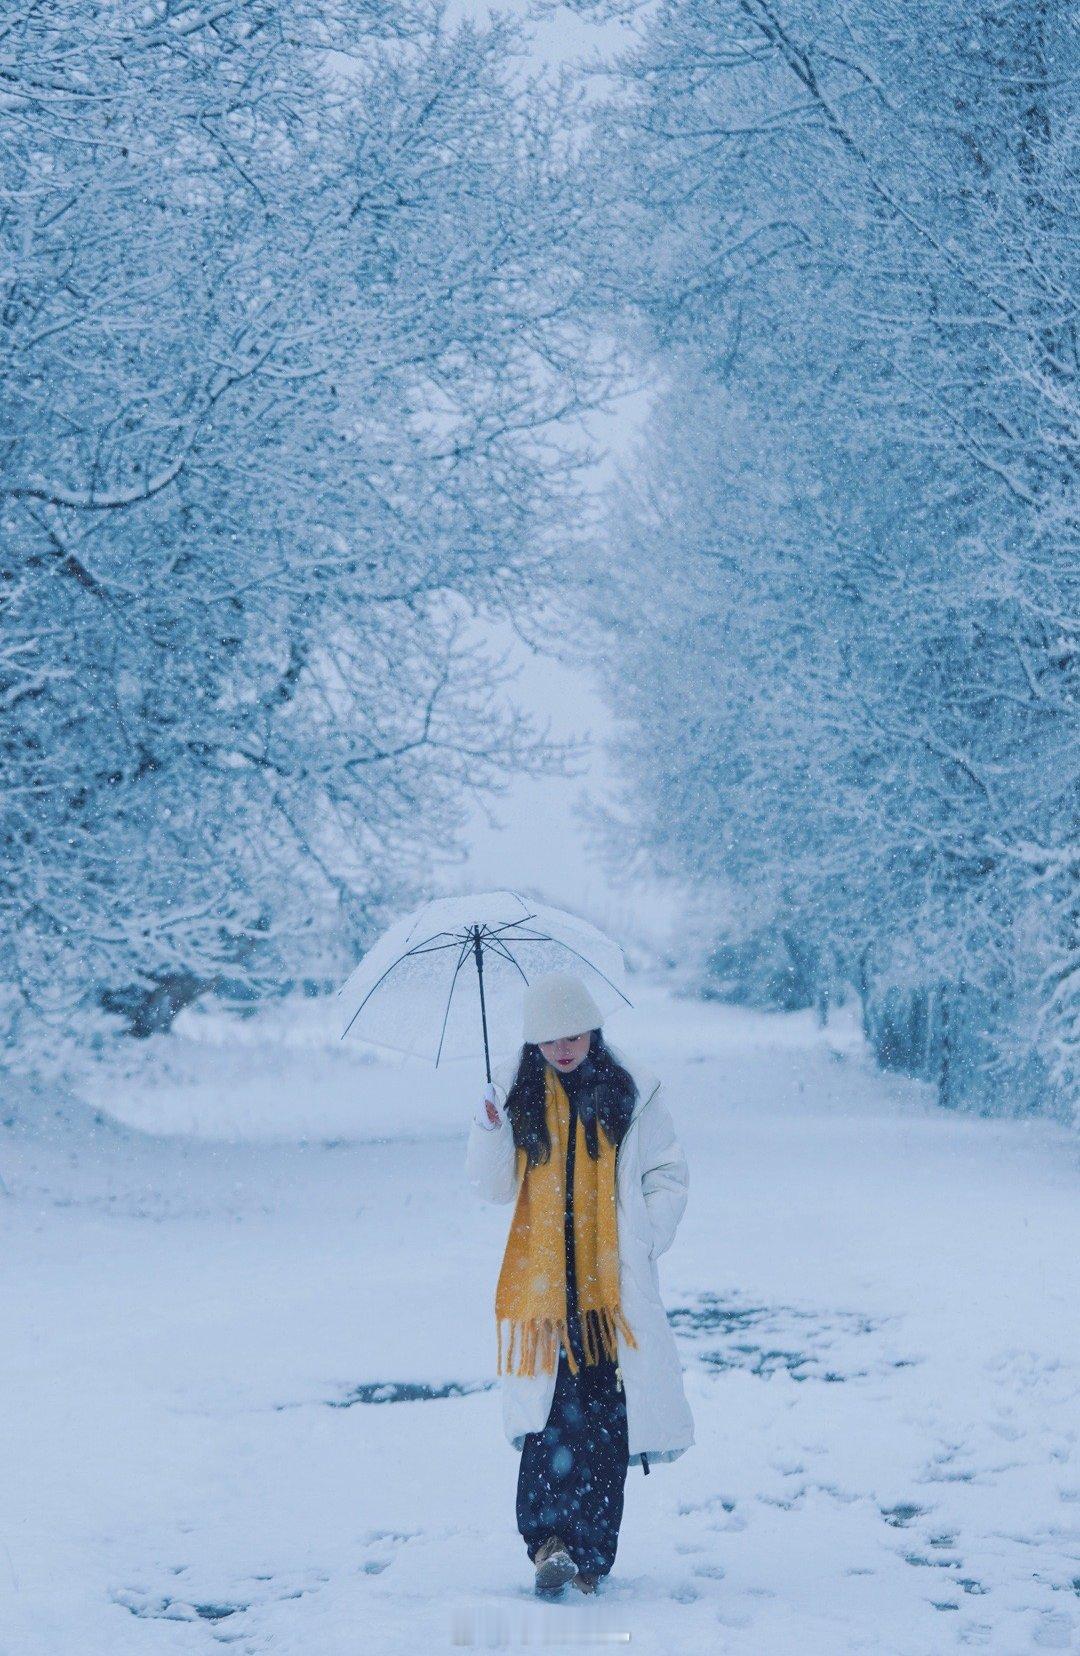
685	1508
163	1607
408	1391
901	1515
1053	1631
382	1547
731	1332
213	1608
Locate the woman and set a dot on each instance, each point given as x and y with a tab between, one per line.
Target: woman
591	1379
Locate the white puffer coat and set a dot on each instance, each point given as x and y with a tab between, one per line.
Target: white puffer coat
651	1188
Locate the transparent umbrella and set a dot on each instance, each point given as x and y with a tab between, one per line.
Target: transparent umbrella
442	981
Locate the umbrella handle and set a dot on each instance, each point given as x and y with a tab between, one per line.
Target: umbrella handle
479	953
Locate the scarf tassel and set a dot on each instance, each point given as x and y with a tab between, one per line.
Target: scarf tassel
543	1338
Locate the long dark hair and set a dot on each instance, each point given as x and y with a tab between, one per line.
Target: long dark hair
607	1094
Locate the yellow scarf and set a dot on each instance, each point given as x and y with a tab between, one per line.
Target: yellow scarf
531	1291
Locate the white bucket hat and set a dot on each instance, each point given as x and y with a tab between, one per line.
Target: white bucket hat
558	1005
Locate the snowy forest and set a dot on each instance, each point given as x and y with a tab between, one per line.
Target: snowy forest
718	360
293	325
306	308
848	234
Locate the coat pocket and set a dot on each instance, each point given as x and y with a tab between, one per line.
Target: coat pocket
643	1225
633	1212
635	1249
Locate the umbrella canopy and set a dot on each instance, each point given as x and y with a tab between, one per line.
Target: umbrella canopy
448	979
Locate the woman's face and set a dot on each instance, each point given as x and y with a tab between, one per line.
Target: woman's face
567	1052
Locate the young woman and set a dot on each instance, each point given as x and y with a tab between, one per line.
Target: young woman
591	1379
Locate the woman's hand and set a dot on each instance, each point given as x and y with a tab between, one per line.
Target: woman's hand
488	1114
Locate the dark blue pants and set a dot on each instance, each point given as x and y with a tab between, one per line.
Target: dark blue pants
571	1477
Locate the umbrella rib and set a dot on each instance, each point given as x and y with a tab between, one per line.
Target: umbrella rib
542	937
464	937
466	948
505	925
497	946
429	946
421	948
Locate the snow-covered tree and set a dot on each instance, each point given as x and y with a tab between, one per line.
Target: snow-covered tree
292	344
852	232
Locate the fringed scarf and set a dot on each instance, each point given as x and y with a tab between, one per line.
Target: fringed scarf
531	1291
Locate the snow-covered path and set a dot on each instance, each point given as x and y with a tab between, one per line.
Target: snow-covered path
877	1305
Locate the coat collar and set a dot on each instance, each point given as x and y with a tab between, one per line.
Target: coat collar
647	1082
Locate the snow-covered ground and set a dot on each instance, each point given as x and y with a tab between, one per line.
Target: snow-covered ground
206	1313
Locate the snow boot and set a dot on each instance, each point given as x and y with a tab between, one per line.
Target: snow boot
554	1566
585	1583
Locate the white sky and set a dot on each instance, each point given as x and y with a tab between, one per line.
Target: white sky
562	38
541	846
